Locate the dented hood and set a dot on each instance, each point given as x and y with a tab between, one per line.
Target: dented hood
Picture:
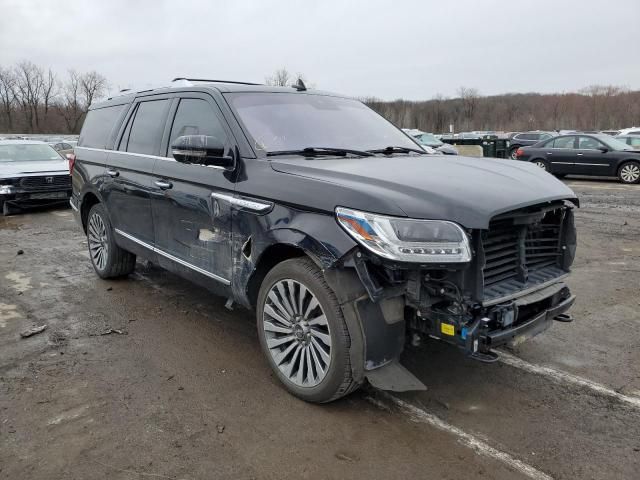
469	191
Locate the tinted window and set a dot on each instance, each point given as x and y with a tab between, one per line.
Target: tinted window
544	136
98	126
563	142
588	143
146	129
196	117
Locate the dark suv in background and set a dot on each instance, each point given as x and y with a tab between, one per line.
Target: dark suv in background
527	139
329	222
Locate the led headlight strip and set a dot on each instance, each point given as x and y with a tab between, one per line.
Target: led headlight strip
407	240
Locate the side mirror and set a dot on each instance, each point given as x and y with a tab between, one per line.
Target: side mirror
202	150
603	149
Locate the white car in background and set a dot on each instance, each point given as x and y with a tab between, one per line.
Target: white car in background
32	174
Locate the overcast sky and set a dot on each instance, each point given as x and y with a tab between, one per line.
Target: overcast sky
388	49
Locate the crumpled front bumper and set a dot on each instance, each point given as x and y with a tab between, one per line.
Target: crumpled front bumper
528	328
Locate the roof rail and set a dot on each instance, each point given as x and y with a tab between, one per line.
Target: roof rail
212	81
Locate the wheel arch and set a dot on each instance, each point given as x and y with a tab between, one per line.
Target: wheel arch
89	199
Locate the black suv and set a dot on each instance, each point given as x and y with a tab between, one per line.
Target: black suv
527	139
334	226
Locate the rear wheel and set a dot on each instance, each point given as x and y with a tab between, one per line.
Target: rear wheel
107	258
542	164
303	333
512	153
629	172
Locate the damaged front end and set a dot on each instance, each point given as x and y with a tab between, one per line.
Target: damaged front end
510	288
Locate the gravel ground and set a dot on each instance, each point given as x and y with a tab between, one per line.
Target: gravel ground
151	377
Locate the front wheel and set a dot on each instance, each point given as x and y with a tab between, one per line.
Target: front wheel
629	172
513	153
107	258
303	333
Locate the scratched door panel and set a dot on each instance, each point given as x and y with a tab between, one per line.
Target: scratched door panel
189	224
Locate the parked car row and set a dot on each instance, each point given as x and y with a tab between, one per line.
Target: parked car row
597	154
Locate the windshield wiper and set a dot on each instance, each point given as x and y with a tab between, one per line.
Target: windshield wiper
392	149
320	151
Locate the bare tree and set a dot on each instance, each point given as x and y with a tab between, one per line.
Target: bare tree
80	91
49	90
469	97
8	94
280	78
30	90
92	86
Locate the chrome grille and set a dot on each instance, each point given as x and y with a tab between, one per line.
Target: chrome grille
46	181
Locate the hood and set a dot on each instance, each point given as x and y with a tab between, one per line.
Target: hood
22	169
469	191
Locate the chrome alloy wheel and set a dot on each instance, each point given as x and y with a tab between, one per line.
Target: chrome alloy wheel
297	333
98	242
542	165
630	173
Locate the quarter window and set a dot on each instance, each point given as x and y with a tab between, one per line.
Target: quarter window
196	117
98	126
146	130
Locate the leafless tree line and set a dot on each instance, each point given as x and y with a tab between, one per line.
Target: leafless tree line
36	100
593	108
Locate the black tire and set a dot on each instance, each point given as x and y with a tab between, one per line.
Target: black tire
8	209
629	172
117	262
512	152
338	380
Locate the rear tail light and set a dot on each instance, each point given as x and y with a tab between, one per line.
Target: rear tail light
72	161
519	153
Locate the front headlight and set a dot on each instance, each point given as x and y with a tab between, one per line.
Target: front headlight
6	189
405	239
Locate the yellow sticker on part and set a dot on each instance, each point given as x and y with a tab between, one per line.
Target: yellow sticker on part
447	329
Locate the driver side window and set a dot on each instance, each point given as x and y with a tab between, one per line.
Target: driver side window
196	117
589	143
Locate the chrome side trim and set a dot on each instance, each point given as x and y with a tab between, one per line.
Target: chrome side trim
563	163
144	155
75	209
171	257
254	206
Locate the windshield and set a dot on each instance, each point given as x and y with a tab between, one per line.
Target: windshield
615	144
294	121
21	152
429	139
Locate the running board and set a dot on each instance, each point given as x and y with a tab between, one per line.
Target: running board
394	377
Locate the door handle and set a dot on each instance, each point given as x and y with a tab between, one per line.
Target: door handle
579	154
113	173
163	185
549	153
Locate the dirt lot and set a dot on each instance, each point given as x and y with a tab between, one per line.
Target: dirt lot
151	377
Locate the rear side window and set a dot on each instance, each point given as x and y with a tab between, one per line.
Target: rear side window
146	130
98	126
563	142
196	117
634	141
